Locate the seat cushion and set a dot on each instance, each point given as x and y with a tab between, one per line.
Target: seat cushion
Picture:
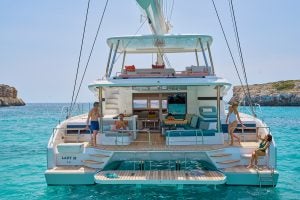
194	121
208	111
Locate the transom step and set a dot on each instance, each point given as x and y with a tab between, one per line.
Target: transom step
228	161
221	155
100	155
92	162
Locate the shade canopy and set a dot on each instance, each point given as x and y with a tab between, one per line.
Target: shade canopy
160	43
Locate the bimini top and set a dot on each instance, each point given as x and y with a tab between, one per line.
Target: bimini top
208	81
160	43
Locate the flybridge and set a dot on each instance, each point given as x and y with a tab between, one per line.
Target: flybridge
160	43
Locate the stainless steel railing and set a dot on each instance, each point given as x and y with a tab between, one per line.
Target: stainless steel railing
196	135
121	134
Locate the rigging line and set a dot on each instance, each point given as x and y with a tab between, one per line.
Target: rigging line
241	55
166	10
91	52
79	58
172	7
228	47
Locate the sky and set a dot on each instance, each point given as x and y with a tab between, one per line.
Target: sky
40	41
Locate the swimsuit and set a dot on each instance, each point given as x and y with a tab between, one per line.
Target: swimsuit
232	117
94	126
262	145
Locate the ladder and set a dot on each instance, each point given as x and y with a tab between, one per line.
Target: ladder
267	178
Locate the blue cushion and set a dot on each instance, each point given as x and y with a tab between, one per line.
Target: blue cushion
209	132
178	133
208	114
194	121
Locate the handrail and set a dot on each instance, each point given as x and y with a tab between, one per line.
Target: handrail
256	128
122	131
196	130
177	73
65	110
256	105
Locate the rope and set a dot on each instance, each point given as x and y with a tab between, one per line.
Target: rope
241	55
79	58
91	52
171	10
228	47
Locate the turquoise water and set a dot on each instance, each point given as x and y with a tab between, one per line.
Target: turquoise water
25	132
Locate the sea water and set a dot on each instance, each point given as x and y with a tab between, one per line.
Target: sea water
25	132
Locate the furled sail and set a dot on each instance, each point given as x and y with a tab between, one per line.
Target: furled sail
154	13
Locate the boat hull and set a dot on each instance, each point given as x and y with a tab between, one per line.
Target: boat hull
69	178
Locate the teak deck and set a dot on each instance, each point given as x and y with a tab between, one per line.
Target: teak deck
161	177
157	143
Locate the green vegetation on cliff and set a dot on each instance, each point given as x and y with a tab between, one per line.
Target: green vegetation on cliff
284	85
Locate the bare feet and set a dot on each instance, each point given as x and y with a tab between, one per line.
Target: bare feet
249	166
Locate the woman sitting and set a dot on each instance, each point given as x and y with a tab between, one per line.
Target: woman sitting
261	150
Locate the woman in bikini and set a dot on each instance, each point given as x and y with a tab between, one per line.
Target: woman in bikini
232	119
261	150
93	118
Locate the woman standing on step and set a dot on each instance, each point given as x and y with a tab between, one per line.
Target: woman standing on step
232	119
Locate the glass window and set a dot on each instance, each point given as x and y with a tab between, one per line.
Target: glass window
154	103
140	103
164	103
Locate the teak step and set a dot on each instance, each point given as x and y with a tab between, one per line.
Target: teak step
100	155
92	162
221	155
228	161
246	155
249	156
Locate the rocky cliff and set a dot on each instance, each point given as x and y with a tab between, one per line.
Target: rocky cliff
282	93
9	96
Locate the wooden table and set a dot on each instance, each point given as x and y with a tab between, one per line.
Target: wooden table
150	123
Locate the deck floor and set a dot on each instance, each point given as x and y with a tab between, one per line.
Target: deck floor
157	143
161	177
244	169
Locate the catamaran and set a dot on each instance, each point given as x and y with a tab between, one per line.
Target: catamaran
177	132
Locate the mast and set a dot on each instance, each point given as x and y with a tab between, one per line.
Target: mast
156	20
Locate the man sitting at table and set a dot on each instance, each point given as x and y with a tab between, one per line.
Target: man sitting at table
121	124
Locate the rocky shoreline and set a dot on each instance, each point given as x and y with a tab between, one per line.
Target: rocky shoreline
9	96
282	93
